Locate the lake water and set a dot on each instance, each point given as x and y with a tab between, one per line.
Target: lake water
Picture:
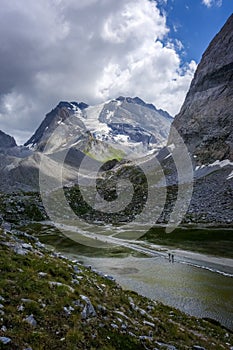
201	286
196	291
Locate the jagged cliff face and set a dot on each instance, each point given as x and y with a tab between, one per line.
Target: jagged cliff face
128	124
6	141
58	115
206	118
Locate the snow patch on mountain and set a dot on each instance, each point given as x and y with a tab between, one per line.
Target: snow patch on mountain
217	163
230	176
126	124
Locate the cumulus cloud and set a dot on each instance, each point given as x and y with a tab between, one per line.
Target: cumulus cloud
210	3
90	50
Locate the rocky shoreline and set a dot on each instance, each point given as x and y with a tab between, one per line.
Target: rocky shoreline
49	301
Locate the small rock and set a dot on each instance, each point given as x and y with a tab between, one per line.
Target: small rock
20	308
144	337
59	284
24	300
102	309
131	334
27	246
110	278
113	325
6	226
146	323
68	310
88	267
88	310
42	274
76	269
19	250
40	245
75	281
5	340
77	303
3	329
79	277
167	346
31	320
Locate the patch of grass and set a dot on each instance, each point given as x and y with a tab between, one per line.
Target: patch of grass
51	236
215	241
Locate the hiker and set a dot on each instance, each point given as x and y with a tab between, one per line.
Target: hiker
169	257
173	258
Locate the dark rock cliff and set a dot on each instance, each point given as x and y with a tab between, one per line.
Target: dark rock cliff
6	141
206	118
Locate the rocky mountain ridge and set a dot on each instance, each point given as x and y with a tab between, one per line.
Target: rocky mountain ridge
126	123
112	130
205	121
123	126
6	141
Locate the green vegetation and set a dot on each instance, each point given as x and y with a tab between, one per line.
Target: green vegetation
215	241
36	282
17	207
53	237
107	188
102	152
20	209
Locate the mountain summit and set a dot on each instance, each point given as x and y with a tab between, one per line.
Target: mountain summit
128	124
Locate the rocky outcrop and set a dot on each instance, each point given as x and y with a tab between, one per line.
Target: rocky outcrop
52	119
6	141
205	121
126	123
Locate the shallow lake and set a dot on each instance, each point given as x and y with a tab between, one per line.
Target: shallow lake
199	285
196	291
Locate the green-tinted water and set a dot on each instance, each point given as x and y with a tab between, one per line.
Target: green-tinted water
196	291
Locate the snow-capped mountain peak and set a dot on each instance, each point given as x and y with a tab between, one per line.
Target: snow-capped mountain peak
128	124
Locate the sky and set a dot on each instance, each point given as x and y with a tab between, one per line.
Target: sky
96	50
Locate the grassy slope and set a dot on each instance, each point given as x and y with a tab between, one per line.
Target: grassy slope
24	208
57	330
217	241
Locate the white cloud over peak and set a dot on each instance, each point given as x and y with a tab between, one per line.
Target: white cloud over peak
210	3
85	51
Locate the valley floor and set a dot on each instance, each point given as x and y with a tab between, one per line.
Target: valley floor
51	302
